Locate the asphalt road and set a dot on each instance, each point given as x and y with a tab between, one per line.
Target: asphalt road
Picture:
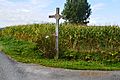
11	70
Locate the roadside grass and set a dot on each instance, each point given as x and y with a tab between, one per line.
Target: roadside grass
75	65
26	52
12	46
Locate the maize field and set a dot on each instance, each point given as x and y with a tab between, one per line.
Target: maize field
75	42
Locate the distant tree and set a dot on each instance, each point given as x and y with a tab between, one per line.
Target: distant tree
76	11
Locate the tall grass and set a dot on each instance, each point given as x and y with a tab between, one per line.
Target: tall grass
75	42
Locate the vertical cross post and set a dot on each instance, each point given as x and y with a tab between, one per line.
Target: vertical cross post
57	16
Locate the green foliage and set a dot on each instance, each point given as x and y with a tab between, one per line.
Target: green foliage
20	48
76	11
46	44
90	43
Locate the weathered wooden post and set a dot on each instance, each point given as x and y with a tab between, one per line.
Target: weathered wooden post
57	16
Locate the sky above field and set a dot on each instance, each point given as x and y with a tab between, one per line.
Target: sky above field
14	12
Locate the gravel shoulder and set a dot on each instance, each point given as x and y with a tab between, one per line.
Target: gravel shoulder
11	70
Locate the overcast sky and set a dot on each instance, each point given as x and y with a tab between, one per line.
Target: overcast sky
14	12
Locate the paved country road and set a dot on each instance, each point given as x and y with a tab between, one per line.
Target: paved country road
11	70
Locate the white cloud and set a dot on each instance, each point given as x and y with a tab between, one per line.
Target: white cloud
104	20
41	3
23	12
98	6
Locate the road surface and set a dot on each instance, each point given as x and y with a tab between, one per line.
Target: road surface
11	70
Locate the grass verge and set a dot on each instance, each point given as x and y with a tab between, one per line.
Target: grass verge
26	52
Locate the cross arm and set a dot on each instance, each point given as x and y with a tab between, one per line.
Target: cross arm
52	16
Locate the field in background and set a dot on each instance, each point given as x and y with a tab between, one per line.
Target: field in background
100	44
